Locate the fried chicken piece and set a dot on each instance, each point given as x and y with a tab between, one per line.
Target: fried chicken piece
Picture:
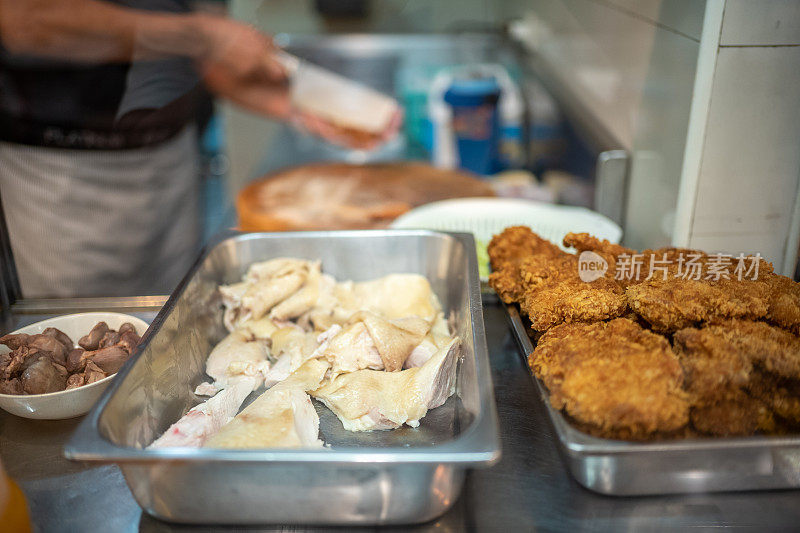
722	361
681	301
715	369
675	303
651	262
780	394
784	303
516	243
584	242
738	415
722	355
773	349
545	281
507	283
554	293
614	376
506	250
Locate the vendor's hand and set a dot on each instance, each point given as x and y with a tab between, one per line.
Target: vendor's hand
346	137
239	64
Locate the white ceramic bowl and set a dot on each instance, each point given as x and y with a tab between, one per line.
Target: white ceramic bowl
74	402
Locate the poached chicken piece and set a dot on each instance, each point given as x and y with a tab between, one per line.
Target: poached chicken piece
295	348
373	342
438	336
233	351
202	421
237	364
265	286
296	331
282	417
368	399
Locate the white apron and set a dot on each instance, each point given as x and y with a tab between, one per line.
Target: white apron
102	223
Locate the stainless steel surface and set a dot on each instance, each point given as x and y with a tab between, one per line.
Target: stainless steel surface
677	466
528	490
401	476
611	178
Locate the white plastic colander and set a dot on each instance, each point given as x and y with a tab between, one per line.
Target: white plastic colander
486	217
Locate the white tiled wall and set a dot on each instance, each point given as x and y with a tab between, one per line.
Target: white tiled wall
761	22
751	157
632	63
748	180
683	16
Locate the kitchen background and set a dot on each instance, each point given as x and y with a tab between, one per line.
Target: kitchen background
677	118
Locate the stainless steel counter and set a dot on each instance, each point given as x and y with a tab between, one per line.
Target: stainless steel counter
528	489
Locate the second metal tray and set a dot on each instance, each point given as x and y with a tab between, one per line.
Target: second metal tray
668	467
382	477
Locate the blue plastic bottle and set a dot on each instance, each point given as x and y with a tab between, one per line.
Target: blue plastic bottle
476	126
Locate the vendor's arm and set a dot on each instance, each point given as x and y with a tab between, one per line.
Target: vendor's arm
237	61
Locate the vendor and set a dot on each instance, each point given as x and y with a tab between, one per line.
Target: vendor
98	152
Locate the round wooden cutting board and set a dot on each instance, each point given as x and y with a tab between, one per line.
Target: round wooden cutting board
331	196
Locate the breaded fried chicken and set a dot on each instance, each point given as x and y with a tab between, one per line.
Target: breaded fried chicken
545	281
519	242
675	303
714	367
603	350
506	250
684	299
784	303
507	283
583	242
737	415
613	376
651	262
724	361
780	394
723	354
771	348
554	293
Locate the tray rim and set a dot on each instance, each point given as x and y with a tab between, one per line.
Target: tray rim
477	446
576	442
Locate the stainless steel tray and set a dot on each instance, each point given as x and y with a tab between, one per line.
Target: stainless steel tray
668	467
401	476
